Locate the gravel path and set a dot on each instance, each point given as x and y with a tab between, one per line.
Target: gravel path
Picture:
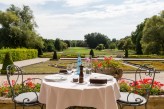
29	62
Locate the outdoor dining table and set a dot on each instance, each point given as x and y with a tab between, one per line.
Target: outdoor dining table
62	93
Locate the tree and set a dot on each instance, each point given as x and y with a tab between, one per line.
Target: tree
114	40
48	45
100	47
153	33
136	37
91	53
55	56
94	39
127	45
58	45
120	44
18	28
112	45
7	61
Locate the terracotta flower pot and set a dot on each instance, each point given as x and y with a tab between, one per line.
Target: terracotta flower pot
115	72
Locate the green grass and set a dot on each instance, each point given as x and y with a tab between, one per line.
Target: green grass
50	67
46	67
74	51
158	65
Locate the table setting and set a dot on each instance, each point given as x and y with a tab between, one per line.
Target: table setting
76	87
60	91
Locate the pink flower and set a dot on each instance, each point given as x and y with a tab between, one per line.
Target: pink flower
87	60
5	83
13	82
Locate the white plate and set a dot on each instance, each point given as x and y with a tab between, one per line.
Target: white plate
80	83
55	78
91	84
109	78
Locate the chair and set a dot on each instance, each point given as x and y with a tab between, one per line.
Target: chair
139	95
25	96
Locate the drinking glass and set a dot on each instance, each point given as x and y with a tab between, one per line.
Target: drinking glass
89	67
74	67
69	68
88	61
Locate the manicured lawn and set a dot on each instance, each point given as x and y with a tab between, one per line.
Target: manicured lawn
74	51
158	65
50	66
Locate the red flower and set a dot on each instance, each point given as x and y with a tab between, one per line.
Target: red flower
13	82
30	84
99	64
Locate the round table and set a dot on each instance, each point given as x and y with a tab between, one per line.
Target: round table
65	93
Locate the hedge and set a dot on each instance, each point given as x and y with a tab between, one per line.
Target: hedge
19	54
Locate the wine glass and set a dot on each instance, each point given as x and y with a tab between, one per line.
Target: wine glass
89	67
69	68
74	67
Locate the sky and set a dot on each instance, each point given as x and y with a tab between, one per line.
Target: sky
72	19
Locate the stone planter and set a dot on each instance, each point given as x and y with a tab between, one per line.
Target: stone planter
115	72
155	102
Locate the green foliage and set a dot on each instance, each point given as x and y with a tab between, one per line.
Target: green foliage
7	61
136	37
19	54
55	55
29	86
126	53
140	86
120	44
146	56
91	53
40	52
48	45
94	39
153	33
18	28
112	45
58	45
100	47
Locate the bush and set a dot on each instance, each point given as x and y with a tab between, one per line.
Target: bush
100	47
7	61
40	52
126	53
19	54
126	86
91	53
55	55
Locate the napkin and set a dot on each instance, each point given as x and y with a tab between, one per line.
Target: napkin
63	71
98	80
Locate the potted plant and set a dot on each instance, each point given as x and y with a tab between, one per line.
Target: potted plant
108	66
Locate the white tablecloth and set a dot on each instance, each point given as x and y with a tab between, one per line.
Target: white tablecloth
60	95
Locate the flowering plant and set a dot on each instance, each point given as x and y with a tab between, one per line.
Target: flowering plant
29	86
126	86
108	62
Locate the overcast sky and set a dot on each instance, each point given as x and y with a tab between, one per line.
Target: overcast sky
72	19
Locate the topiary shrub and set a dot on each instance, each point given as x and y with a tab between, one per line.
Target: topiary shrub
7	61
91	53
55	55
40	52
100	47
126	53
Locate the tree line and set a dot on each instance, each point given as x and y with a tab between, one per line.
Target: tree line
17	30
